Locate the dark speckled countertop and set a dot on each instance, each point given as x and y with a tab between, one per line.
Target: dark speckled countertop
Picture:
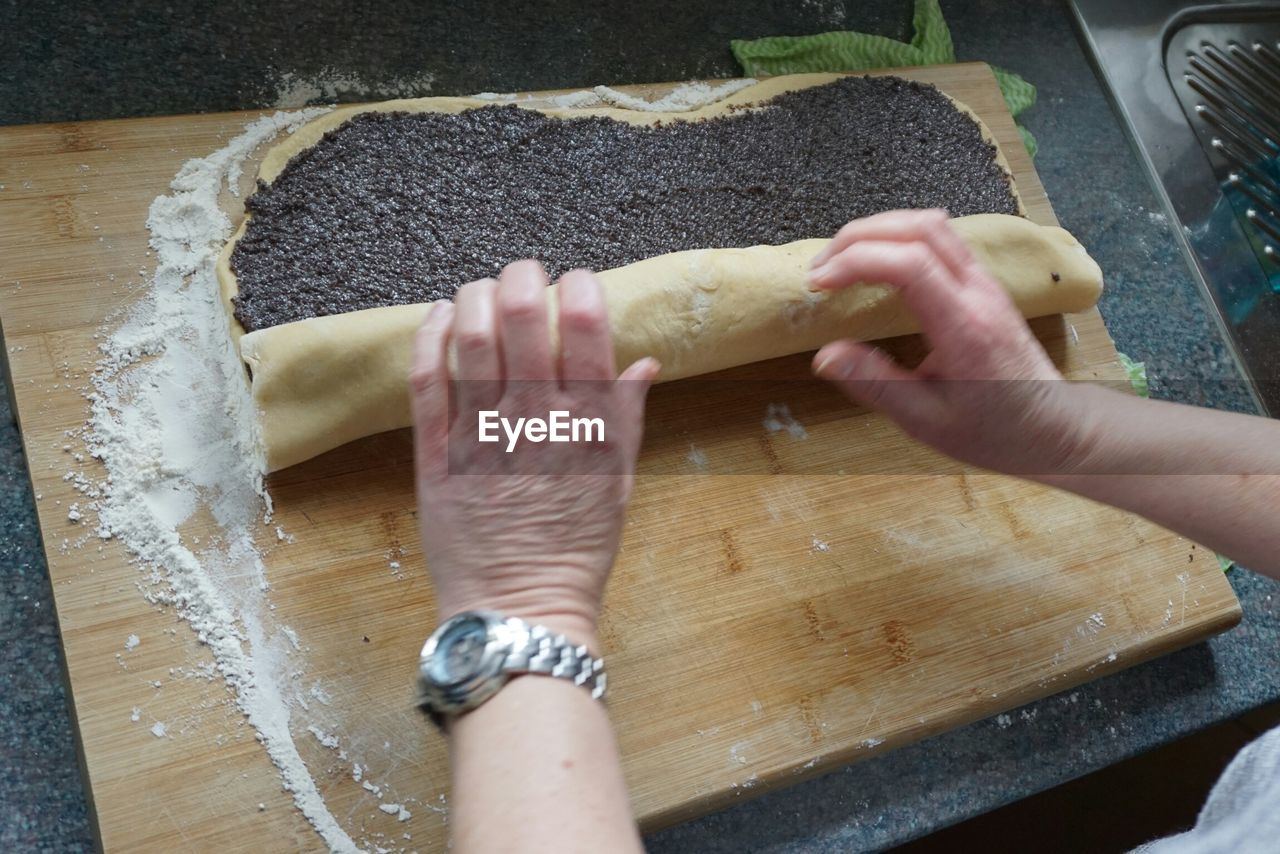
78	60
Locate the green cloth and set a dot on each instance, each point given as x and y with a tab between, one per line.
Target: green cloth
845	51
1137	372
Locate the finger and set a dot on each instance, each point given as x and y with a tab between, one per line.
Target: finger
927	286
475	334
868	377
429	388
586	348
634	384
931	227
476	344
521	302
643	372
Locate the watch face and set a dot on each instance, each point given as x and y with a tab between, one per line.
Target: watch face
460	652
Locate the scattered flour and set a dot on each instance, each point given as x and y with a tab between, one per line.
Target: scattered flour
696	457
136	715
330	85
171	421
320	694
819	545
327	739
396	810
131	643
778	417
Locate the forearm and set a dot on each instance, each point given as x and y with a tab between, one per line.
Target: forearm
1211	476
536	768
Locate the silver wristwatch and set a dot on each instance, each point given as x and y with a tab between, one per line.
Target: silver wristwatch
475	653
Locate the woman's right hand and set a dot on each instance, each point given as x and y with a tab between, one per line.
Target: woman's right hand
987	394
530	533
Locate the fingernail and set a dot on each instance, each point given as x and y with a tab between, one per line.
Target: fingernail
831	367
440	310
820	274
818	260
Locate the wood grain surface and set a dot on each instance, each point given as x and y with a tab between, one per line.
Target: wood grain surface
784	604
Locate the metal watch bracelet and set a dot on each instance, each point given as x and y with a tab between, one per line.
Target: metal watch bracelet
555	655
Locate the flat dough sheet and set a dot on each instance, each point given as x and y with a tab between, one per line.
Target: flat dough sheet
325	381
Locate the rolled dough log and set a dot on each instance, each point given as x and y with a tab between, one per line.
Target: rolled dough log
323	382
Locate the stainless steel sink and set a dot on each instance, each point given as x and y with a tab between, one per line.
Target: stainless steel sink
1199	88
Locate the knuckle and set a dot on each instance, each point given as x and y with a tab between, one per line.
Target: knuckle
981	329
423	380
920	260
471	340
588	366
419	380
847	261
525	306
990	314
583	318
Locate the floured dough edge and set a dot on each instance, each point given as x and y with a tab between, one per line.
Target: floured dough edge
325	381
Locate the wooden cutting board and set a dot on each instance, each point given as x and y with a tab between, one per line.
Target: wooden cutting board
786	602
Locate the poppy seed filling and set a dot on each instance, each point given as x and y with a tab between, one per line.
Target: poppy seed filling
395	208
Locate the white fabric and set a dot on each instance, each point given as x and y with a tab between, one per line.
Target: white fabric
1242	814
